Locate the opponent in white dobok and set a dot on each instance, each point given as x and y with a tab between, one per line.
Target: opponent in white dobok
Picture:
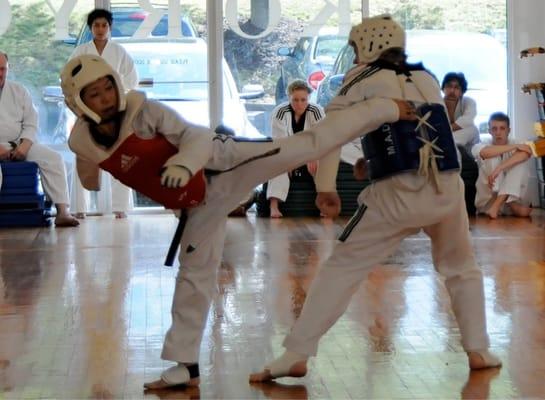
18	141
415	187
503	171
149	147
114	197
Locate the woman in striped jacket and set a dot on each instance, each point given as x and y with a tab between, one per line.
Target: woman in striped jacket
288	119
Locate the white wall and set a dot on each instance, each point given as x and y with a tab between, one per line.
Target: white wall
525	29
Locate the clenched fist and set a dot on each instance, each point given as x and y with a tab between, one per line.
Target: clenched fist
329	204
360	169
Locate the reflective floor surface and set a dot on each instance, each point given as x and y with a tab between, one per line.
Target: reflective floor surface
83	312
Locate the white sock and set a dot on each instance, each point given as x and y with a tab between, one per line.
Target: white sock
176	375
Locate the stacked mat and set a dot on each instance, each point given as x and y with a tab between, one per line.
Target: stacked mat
21	201
300	200
302	194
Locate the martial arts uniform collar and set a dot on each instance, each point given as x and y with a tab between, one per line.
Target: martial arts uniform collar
298	126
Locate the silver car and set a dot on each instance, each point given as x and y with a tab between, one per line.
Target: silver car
310	59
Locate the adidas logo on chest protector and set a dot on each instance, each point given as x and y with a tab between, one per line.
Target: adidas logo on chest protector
127	162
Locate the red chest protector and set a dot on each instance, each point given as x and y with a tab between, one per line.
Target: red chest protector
138	163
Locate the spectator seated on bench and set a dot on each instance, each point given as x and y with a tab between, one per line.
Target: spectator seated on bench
302	193
18	142
21	201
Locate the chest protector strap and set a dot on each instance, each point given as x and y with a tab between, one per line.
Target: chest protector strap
138	163
425	145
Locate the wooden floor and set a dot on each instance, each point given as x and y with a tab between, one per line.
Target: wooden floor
83	313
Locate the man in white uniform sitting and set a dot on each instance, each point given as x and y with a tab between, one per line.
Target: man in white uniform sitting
503	171
18	141
462	110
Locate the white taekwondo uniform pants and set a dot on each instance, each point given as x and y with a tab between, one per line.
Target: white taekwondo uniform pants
389	211
52	172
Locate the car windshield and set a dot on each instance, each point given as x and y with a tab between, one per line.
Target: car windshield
480	57
327	48
172	77
345	60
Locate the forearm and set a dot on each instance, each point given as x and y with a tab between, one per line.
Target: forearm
515	159
194	142
496	150
194	149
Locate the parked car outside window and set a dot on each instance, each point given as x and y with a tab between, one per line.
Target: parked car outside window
173	71
480	57
310	59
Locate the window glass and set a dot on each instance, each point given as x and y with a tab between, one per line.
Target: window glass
302	44
127	20
461	36
328	47
36	56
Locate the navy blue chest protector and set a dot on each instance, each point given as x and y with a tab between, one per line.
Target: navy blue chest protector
394	148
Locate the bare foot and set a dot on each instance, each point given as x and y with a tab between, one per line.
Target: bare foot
66	221
79	215
478	383
520	210
275	213
296	370
120	214
492	213
483	359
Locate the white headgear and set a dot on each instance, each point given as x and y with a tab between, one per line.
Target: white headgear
375	35
80	72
